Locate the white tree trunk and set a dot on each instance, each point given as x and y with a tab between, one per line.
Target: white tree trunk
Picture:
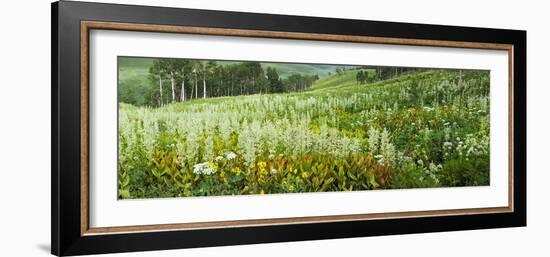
182	85
173	86
196	88
160	89
192	89
204	87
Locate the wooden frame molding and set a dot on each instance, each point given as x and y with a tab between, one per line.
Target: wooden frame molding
87	26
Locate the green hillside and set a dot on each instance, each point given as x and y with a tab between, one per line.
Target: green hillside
423	129
287	69
134	71
133	79
338	81
135	86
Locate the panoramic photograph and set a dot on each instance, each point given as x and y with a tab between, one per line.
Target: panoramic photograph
189	128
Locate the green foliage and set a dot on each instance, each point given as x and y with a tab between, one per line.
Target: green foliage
275	83
413	176
420	129
156	82
133	80
466	172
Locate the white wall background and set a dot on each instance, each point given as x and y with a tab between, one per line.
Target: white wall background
25	127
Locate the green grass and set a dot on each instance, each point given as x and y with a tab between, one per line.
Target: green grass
133	77
336	81
287	69
339	81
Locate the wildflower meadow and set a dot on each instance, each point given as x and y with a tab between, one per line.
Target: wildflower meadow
196	128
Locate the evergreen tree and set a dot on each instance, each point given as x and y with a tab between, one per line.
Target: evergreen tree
275	84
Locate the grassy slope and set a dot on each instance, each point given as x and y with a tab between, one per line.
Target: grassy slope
335	81
338	81
287	69
423	141
133	77
135	69
134	80
333	85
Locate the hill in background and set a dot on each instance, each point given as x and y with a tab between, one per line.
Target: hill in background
133	74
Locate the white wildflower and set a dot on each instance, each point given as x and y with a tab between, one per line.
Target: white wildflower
373	139
208	171
199	167
230	155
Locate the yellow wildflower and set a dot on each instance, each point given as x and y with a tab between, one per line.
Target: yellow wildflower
236	170
212	165
263	172
262	165
304	174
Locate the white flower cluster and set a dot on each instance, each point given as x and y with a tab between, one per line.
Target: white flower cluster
380	145
203	168
473	146
230	155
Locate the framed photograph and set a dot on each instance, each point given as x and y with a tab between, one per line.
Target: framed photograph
178	128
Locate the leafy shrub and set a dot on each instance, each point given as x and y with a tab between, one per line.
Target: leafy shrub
465	172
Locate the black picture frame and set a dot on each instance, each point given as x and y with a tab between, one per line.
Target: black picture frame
66	237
